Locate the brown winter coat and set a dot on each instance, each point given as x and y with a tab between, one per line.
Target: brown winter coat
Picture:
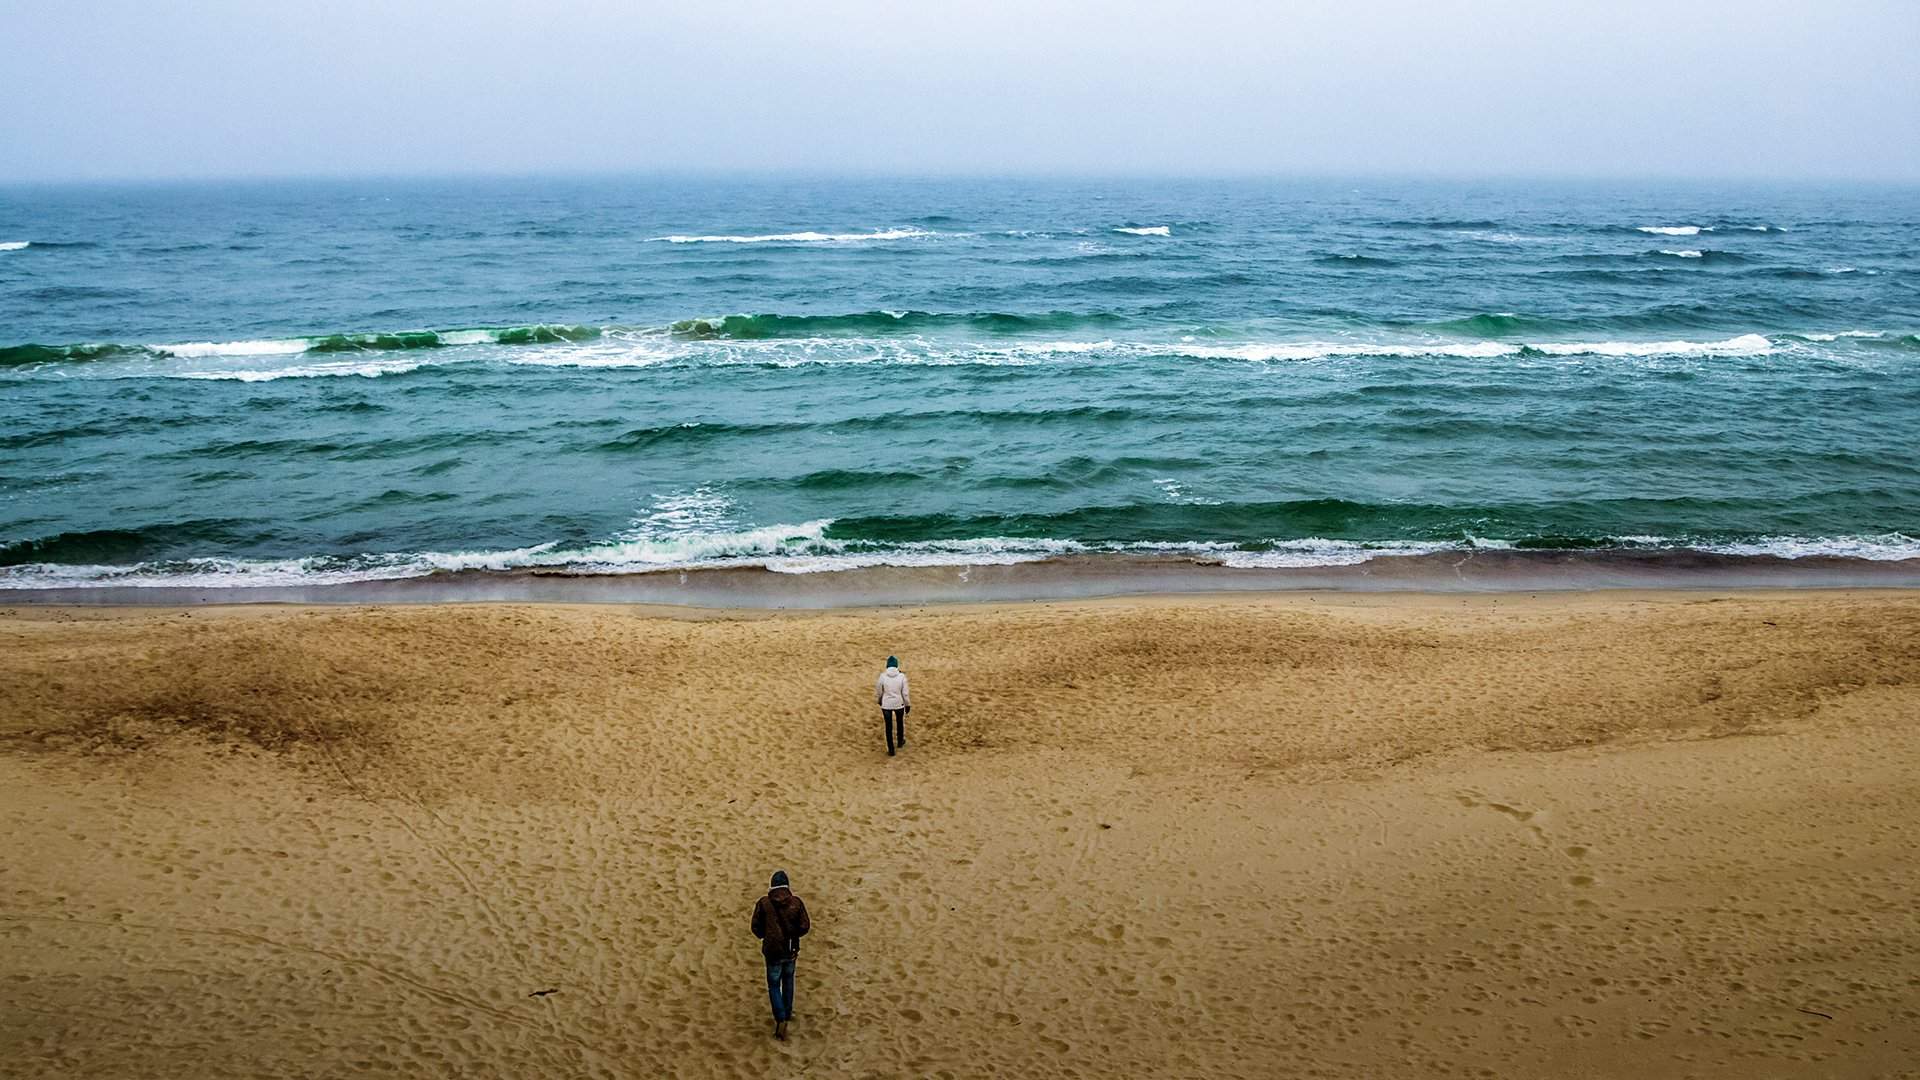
780	921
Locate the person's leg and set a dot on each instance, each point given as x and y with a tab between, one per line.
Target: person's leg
903	727
774	976
786	990
886	717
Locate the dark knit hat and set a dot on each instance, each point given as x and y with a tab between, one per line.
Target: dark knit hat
779	879
893	661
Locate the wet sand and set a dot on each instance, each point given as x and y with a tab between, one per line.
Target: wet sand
1633	834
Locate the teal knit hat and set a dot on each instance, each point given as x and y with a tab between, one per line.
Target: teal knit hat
893	661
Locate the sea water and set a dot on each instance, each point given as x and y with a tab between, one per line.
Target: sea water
272	383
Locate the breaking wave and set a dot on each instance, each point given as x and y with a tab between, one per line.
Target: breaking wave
808	237
929	338
774	326
813	547
534	334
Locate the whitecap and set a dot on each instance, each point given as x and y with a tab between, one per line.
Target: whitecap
1176	492
981	551
798	237
1684	253
15	245
804	548
1744	345
1886	547
213	573
1844	334
1144	230
1314	551
1673	230
367	369
276	347
1322	350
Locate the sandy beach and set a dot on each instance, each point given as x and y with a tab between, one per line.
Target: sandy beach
1629	834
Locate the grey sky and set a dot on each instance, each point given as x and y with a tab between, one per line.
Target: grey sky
1713	88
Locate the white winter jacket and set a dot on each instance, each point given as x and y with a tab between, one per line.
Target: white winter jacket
891	689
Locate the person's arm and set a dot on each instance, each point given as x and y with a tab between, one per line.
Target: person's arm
879	689
805	924
759	919
906	699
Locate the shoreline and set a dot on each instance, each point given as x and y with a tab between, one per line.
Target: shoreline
1063	578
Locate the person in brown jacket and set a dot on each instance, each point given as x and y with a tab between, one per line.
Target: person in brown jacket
780	921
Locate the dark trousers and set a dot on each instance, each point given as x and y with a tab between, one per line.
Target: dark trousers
780	988
896	721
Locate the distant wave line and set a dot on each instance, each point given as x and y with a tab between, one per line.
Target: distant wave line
807	237
904	337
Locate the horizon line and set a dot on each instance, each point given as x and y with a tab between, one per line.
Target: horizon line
772	173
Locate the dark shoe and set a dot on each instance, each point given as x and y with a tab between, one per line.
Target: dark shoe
780	1031
889	751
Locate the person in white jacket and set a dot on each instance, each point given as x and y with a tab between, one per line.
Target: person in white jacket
891	690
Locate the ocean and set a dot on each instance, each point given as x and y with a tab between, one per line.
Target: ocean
274	383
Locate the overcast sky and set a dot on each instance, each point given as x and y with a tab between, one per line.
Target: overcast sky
1676	88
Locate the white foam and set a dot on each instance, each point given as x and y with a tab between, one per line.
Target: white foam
1685	253
15	245
366	369
643	349
1327	350
209	573
1315	551
1069	346
1176	492
689	550
454	561
703	508
804	549
1888	547
260	361
1744	345
1672	230
798	237
983	551
1144	230
612	351
1876	335
276	347
1500	237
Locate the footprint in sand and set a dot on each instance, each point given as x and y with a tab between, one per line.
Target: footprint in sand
1534	820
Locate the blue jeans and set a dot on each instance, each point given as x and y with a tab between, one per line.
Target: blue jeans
780	988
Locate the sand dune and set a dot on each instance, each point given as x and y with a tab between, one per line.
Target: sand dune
1632	835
